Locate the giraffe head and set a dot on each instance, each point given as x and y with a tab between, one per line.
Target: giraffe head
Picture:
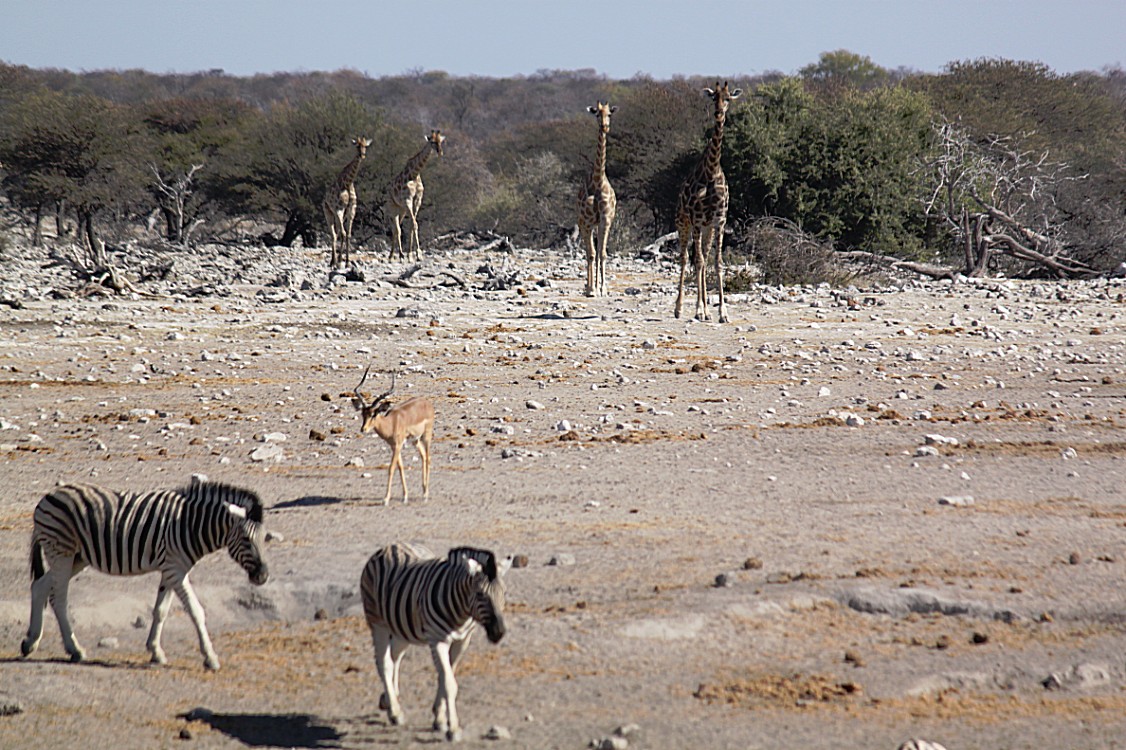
435	139
603	112
722	96
361	145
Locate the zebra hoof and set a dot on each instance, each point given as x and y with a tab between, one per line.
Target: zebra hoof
383	702
26	647
77	656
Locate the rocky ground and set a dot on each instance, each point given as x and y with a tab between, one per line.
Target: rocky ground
847	518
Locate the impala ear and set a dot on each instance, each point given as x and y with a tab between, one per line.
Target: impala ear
358	403
236	510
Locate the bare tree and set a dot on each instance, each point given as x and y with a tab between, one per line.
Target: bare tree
173	199
997	199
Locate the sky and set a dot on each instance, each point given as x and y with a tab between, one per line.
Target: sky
499	38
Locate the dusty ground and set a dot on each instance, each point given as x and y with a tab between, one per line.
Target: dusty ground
858	610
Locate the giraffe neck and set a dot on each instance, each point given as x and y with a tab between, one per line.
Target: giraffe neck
348	175
598	173
416	163
715	147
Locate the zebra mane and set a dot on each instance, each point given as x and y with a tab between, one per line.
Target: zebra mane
228	493
487	559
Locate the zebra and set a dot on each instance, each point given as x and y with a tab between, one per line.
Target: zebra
412	596
127	533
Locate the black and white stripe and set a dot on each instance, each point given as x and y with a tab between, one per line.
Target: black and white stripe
410	596
126	534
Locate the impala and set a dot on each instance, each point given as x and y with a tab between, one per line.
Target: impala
413	418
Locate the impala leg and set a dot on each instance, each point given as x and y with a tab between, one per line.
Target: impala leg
402	470
423	444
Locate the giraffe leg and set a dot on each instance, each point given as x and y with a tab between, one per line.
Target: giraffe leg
349	218
413	247
586	234
396	237
684	232
701	241
719	269
603	285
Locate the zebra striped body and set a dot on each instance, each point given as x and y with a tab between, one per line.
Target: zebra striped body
126	534
412	597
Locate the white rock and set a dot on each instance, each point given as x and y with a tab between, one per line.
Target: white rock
267	452
926	450
534	405
957	501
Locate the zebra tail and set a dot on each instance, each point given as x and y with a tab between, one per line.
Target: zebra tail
38	560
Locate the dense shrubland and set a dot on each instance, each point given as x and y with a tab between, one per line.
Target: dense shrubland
991	164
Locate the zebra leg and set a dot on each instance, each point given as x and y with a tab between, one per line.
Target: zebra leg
159	615
447	691
191	603
385	665
40	593
457	649
62	570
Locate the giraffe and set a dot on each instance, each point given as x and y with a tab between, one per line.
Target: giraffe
340	204
597	205
701	210
404	197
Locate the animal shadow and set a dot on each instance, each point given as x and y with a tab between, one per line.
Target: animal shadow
270	730
309	501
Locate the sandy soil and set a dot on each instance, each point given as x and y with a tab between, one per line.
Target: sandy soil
786	451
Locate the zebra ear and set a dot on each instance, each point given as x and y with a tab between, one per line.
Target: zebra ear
236	510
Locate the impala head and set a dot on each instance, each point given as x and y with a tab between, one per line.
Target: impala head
378	407
722	96
435	139
487	586
361	145
603	112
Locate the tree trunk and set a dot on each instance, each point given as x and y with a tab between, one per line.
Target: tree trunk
295	226
37	231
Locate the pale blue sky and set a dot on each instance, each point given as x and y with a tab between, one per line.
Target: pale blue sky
661	38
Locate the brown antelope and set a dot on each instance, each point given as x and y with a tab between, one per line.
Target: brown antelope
413	418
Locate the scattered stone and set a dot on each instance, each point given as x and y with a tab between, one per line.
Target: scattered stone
1078	677
562	559
519	561
534	405
185	734
317	435
722	581
979	638
957	501
1074	559
108	642
497	732
320	614
267	452
140	623
926	451
355	461
854	658
752	563
9	706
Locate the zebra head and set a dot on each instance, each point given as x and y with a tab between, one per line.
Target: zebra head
246	534
486	587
